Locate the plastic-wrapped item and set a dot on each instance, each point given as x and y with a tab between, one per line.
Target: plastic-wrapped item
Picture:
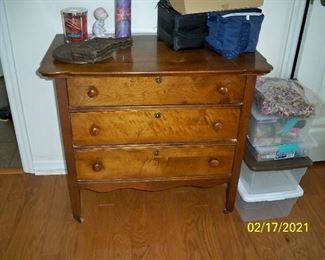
282	97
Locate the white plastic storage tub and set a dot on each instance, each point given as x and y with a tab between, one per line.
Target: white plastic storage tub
268	130
266	205
282	151
258	182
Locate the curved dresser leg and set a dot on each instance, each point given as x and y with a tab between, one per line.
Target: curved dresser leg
75	202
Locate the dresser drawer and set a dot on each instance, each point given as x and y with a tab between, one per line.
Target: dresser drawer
153	90
154	162
154	126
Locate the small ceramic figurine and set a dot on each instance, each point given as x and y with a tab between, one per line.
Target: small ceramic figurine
99	26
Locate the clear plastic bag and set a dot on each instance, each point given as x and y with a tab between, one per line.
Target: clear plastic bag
282	97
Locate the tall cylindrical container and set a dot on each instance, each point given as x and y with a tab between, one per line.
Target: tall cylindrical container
122	18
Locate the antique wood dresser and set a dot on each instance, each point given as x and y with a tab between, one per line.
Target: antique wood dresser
150	118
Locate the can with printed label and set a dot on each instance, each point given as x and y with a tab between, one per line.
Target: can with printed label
75	24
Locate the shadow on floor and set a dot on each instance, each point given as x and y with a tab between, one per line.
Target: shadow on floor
9	154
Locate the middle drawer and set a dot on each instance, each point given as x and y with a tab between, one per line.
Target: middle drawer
154	126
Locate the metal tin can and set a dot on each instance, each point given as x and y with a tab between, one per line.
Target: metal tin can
122	18
75	24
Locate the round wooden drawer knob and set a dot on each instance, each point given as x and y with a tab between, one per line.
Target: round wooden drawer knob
222	90
217	126
214	163
157	115
97	166
92	92
94	130
156	152
158	79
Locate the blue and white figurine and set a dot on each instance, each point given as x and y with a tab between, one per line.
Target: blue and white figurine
99	29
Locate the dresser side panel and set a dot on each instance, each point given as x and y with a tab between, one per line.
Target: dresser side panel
66	132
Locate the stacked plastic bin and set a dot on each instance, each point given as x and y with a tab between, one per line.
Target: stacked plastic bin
275	138
269	189
276	159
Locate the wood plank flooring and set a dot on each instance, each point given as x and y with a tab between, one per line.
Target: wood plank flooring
183	223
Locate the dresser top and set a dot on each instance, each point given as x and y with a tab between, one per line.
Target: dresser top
148	55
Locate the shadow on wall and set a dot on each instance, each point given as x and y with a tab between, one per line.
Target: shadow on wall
1	72
4	103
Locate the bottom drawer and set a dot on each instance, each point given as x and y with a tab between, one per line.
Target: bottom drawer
131	162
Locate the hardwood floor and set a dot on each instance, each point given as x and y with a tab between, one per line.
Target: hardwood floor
7	171
183	223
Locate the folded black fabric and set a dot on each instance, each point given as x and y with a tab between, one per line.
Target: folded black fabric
98	47
91	51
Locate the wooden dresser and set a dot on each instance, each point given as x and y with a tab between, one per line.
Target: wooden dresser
151	119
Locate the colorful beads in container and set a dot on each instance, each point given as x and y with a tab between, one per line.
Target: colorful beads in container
282	97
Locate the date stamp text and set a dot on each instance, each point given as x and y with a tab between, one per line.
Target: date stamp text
277	227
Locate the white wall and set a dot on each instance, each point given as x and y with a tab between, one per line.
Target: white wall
33	32
279	33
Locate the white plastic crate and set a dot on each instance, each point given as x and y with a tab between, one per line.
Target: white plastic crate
257	182
266	205
269	130
282	151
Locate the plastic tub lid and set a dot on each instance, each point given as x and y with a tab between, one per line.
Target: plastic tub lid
275	165
272	196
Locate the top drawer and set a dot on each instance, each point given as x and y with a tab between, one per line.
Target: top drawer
154	90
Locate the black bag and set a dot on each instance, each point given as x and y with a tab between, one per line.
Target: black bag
180	31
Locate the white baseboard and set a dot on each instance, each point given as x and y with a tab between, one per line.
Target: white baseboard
50	167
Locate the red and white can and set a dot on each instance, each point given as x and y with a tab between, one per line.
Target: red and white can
75	24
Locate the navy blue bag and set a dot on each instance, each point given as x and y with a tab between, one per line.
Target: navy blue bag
234	32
